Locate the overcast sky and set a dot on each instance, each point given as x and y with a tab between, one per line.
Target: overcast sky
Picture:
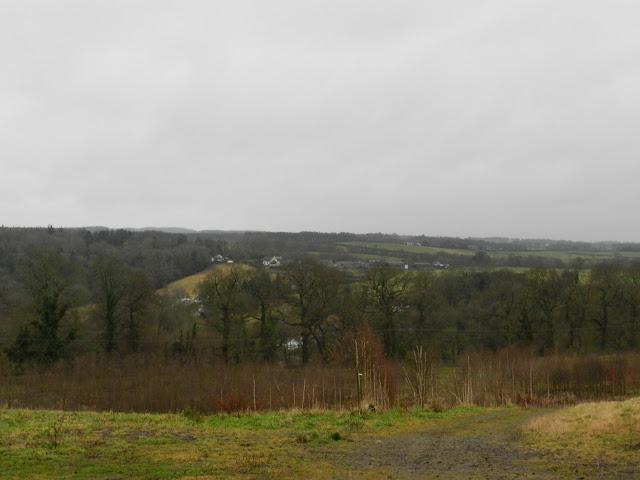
467	118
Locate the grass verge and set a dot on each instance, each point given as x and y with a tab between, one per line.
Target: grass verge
39	444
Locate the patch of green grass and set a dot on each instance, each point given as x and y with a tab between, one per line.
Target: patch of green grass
104	445
325	420
52	444
374	257
565	256
400	247
82	445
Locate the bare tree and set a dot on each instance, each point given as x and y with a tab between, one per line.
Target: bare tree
607	290
221	292
387	289
47	277
266	291
545	294
314	292
631	296
110	286
138	294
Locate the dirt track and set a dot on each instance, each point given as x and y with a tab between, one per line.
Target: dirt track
441	456
478	449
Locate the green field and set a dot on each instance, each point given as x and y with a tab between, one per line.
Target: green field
399	247
463	442
376	258
565	256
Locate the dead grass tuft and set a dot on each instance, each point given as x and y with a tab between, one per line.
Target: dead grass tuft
590	419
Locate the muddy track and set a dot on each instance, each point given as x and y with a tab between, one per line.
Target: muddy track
456	454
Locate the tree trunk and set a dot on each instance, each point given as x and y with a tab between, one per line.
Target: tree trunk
305	348
133	336
265	345
389	335
633	333
110	325
604	327
226	333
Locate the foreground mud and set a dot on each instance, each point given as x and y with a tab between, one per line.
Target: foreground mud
487	447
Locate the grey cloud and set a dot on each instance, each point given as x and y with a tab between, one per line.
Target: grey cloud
513	118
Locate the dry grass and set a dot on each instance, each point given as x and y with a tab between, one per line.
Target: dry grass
519	376
165	382
140	383
189	285
602	430
590	419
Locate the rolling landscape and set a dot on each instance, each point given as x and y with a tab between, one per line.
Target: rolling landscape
155	354
320	240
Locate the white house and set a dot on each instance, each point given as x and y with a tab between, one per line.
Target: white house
293	344
272	262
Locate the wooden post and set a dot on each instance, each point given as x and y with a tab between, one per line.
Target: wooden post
304	389
255	408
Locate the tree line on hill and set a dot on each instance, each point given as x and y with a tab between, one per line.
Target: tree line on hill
62	303
165	257
169	256
447	312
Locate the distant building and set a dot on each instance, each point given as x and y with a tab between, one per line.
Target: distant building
220	259
293	344
429	265
272	261
189	301
396	264
441	266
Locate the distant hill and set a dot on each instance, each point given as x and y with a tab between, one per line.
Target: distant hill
94	228
99	228
163	229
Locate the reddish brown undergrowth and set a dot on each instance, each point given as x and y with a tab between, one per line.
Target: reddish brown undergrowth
148	383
